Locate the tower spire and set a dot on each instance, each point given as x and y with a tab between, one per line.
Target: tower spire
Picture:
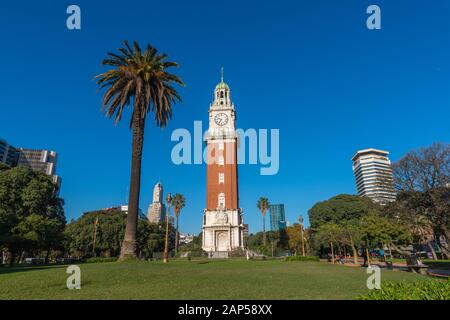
221	71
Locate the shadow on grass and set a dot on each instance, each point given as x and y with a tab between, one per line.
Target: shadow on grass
15	269
211	261
442	265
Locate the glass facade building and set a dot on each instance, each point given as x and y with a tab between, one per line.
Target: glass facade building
277	217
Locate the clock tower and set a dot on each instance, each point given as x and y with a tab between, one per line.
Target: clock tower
222	219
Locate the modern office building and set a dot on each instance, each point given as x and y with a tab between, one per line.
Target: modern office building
277	217
39	160
373	175
8	154
157	210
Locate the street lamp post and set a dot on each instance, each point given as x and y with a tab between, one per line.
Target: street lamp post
166	242
300	219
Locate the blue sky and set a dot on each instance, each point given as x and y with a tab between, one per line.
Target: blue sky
309	68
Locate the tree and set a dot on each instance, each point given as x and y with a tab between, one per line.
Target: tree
423	169
343	207
263	206
142	80
79	235
350	234
407	210
329	233
377	231
295	238
423	178
431	206
31	215
178	203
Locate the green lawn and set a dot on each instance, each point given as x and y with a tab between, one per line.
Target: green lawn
231	279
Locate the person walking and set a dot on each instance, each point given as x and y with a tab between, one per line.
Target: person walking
365	257
382	255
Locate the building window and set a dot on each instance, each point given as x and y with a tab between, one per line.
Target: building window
221	161
221	145
221	201
221	177
221	94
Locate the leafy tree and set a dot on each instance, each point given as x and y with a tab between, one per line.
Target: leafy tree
141	79
343	207
350	234
110	231
377	230
329	233
423	177
31	214
295	238
427	214
263	206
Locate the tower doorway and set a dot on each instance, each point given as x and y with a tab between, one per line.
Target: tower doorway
222	241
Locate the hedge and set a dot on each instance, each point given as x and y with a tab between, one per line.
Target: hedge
422	290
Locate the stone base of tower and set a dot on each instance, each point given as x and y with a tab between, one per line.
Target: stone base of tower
222	231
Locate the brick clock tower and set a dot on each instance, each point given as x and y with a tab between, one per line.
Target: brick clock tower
222	219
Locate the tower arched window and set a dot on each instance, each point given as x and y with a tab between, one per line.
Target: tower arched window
221	94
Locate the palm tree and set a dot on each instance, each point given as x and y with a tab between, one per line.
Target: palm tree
263	206
178	203
139	79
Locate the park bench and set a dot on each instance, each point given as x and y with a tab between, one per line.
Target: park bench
415	265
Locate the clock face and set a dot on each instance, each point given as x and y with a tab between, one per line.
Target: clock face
221	119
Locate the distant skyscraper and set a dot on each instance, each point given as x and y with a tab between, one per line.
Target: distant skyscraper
373	175
38	160
157	210
277	217
8	154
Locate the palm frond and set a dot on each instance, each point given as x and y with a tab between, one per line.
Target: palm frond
140	78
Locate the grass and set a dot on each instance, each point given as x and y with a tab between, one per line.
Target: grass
201	279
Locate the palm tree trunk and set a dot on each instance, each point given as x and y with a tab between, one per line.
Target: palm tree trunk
264	230
128	249
176	238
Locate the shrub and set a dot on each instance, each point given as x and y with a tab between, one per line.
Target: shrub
302	258
238	253
423	290
99	260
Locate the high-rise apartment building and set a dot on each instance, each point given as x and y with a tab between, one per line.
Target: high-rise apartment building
373	175
8	154
277	217
38	160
